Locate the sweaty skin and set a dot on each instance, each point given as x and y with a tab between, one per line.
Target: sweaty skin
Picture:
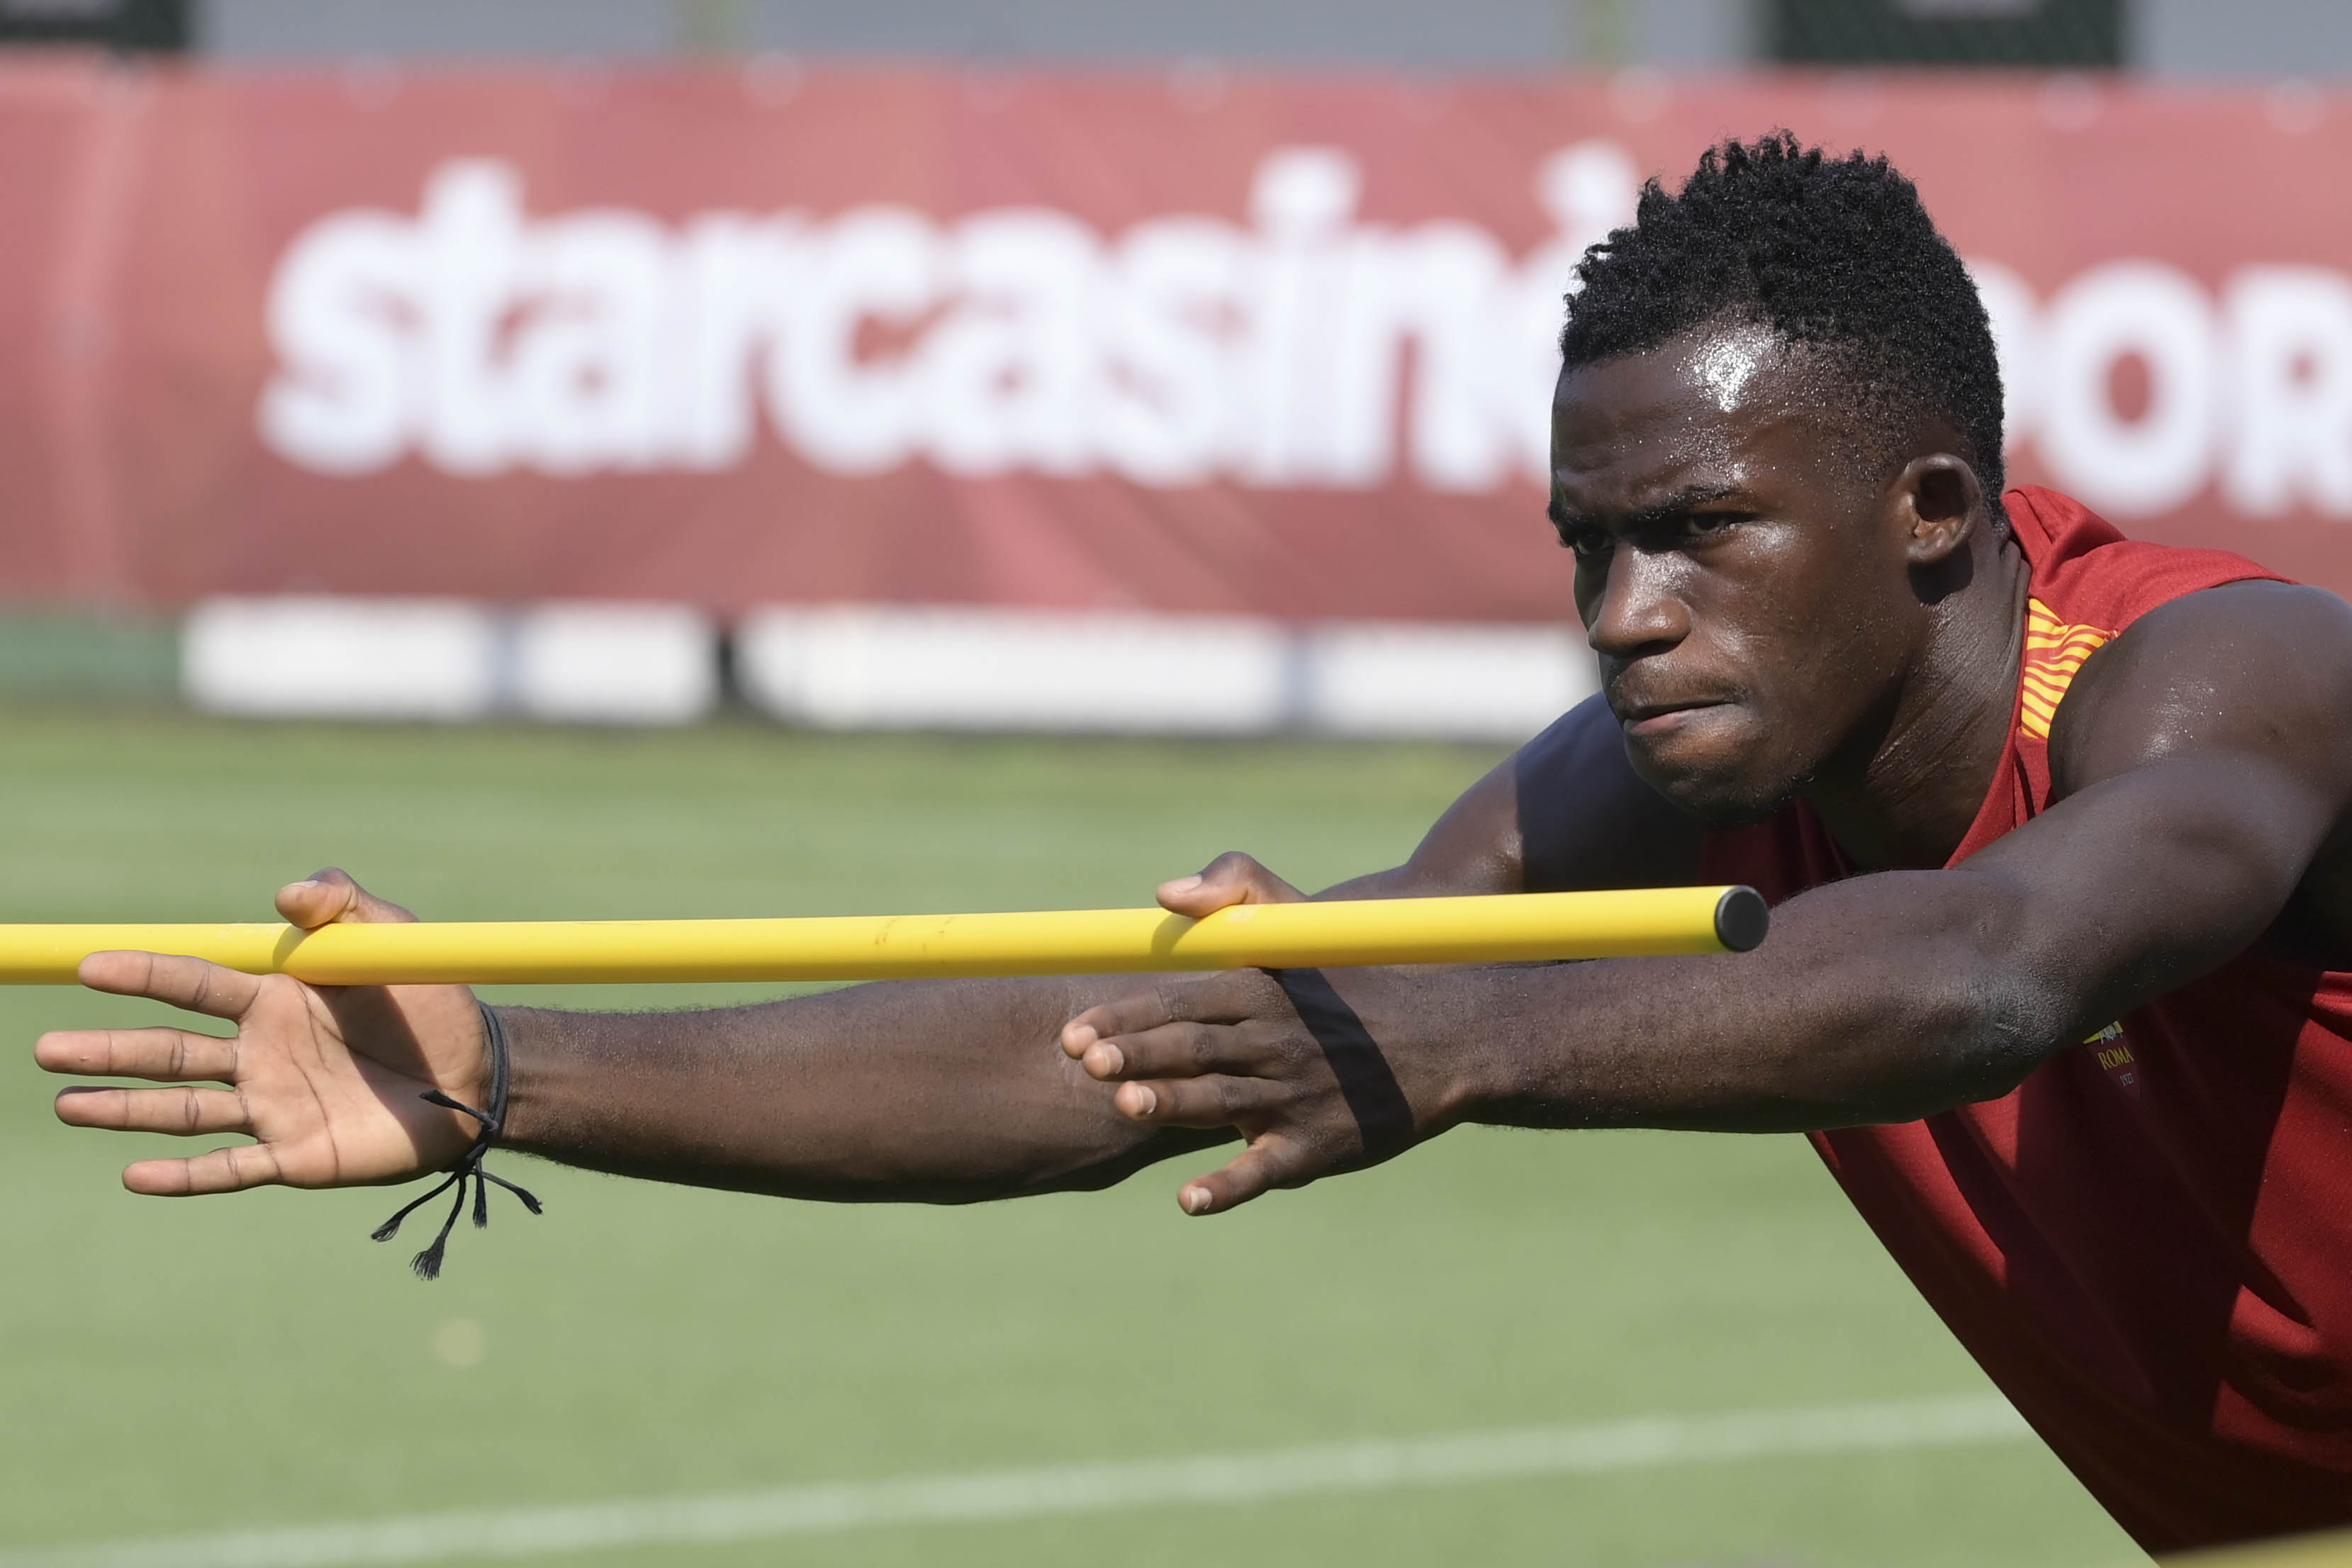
1773	619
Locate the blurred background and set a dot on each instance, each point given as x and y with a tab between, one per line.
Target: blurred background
652	457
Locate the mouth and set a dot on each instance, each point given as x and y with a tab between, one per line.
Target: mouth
1648	718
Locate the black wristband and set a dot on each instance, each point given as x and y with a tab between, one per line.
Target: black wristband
468	1173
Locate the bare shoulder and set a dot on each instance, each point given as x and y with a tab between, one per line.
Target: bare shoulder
2262	669
1585	819
1565	811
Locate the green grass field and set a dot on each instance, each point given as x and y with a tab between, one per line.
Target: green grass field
199	1367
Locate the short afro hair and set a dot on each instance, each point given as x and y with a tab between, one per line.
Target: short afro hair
1835	252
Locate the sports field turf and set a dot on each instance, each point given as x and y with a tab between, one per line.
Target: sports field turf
190	1367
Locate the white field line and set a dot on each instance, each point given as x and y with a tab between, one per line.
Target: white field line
1030	1493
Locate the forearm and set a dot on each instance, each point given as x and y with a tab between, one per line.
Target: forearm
1880	999
911	1090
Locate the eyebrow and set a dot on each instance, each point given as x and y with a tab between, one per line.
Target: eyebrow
1664	510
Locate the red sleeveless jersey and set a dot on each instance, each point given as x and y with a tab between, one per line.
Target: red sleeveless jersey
2147	1244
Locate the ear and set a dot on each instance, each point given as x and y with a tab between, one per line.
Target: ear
1940	506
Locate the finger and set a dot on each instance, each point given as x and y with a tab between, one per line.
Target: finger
230	1169
1209	999
184	1113
1231	879
165	1055
1173	1050
183	982
1196	1102
329	896
1270	1162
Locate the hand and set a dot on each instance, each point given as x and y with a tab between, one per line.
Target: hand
325	1080
1279	1054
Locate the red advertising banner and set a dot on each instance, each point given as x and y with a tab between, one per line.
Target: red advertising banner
1188	342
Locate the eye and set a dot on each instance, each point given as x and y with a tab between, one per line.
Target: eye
1588	543
1706	524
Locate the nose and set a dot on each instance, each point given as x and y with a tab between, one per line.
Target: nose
1635	610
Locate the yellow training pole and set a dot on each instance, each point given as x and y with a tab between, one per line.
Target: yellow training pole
1487	929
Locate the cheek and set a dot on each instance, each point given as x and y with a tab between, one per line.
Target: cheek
1811	659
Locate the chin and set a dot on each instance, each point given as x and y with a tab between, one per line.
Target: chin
1720	793
1722	809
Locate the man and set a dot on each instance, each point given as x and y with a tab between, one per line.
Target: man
2061	980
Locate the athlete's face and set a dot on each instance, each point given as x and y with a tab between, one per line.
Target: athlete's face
1743	582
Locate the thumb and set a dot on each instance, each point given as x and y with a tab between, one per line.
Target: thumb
330	897
1231	879
1271	1160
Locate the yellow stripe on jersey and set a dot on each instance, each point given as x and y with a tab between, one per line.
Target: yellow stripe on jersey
2053	652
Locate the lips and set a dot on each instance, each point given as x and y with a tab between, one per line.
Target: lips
1659	717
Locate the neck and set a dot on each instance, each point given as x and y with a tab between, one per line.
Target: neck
1903	794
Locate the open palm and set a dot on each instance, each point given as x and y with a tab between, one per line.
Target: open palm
327	1080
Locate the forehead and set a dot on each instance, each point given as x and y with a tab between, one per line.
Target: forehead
1723	407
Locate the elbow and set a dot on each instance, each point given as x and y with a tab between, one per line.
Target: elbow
1987	1027
2005	1040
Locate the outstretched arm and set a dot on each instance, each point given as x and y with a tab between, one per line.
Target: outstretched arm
935	1090
2207	804
930	1091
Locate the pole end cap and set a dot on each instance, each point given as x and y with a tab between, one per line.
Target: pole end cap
1741	919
